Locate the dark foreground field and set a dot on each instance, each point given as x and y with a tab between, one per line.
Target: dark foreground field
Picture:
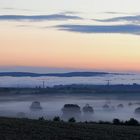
24	129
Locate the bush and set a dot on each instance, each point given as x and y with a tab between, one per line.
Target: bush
104	122
72	120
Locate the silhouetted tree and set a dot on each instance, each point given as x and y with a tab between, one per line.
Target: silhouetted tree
72	120
56	119
116	121
41	119
132	121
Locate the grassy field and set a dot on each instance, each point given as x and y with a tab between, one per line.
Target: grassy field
25	129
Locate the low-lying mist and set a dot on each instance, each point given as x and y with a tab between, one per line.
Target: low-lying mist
105	108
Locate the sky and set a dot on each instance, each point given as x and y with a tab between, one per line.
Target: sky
69	35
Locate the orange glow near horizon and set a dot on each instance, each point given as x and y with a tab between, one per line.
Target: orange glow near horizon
51	48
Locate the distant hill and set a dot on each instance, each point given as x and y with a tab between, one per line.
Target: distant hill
70	74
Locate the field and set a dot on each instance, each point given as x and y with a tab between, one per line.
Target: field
25	129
